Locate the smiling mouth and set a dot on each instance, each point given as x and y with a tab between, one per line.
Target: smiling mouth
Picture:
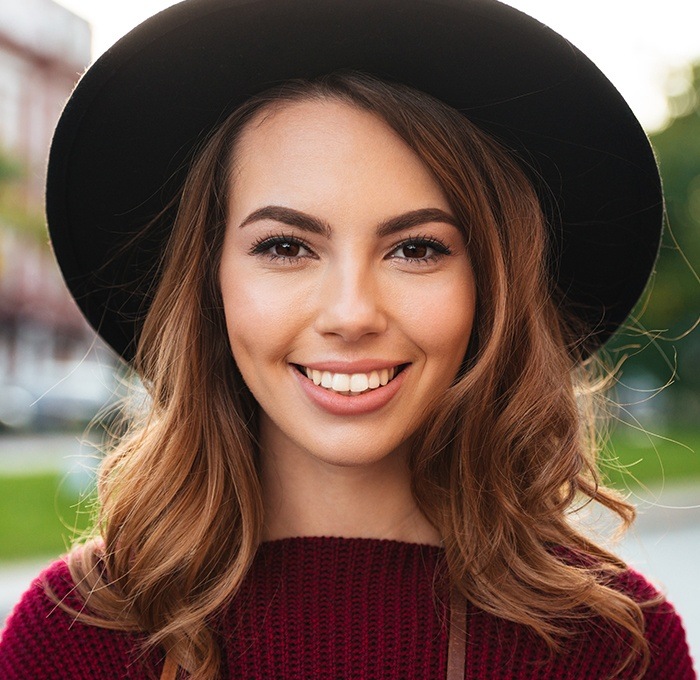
351	384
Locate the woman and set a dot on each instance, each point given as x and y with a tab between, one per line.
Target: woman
366	327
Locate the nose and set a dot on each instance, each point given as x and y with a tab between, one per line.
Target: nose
350	303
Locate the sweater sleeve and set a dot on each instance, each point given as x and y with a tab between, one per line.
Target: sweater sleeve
41	640
670	654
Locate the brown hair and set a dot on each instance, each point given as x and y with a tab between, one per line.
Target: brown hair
505	454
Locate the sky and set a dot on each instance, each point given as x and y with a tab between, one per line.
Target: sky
643	47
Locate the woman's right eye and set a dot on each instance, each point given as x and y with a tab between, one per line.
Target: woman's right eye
281	248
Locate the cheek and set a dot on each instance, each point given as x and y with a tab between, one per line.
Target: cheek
244	314
258	319
440	319
241	311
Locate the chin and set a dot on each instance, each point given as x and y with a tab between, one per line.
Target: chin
358	455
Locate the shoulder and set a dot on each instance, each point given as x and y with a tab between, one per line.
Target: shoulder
36	609
663	628
39	605
42	640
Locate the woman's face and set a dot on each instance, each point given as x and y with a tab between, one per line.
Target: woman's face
342	265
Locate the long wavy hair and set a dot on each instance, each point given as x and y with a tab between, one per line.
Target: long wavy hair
496	467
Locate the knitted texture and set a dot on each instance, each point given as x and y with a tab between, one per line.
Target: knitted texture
336	608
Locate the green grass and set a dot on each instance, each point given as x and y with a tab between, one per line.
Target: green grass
40	514
635	458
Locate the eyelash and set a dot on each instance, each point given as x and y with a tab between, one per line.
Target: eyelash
265	243
439	248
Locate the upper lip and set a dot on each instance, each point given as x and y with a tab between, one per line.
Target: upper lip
350	367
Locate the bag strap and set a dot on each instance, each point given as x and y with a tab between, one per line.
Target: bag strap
169	671
456	649
457	645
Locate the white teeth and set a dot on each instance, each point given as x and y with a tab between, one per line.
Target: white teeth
341	382
346	384
358	382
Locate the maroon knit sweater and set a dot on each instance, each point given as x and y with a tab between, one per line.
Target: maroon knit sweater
335	608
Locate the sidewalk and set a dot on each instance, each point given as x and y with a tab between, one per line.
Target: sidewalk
664	545
15	578
24	454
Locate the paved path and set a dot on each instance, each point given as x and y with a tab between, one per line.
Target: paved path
20	455
15	578
664	544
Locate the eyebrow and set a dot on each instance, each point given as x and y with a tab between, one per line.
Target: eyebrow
294	218
415	218
306	222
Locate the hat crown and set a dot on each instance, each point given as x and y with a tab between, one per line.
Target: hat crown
124	142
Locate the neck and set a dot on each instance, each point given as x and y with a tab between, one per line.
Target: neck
304	496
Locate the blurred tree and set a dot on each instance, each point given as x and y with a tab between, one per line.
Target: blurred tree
671	310
15	213
10	169
676	297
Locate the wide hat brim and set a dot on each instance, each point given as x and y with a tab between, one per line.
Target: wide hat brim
122	146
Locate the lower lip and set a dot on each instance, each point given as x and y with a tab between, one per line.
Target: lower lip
343	405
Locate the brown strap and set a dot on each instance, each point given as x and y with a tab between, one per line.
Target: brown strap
169	671
457	647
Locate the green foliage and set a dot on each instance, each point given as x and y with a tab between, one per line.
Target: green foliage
677	294
671	351
13	216
14	212
10	168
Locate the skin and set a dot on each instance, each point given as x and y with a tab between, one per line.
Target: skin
345	295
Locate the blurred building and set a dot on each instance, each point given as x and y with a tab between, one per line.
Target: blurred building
44	48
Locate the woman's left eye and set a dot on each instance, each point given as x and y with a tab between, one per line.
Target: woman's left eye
419	250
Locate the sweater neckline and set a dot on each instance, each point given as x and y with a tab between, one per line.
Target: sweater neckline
352	541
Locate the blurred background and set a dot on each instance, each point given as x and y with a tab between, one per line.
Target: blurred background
56	375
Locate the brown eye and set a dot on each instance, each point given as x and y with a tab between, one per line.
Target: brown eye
282	249
415	250
286	249
420	250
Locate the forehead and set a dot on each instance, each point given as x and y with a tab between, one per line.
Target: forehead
321	151
313	128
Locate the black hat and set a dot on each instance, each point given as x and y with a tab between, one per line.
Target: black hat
122	146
